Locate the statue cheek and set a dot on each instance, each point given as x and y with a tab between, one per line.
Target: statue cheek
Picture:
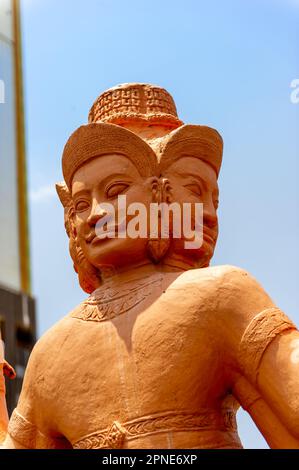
80	230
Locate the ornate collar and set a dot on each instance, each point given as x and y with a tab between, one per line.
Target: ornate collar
106	303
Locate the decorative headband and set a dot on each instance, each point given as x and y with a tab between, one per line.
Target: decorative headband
93	140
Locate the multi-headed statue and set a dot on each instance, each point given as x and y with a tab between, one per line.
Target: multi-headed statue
165	348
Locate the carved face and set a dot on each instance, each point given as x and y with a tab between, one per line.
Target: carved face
164	170
102	180
192	180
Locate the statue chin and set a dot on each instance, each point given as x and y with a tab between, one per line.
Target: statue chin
127	253
117	252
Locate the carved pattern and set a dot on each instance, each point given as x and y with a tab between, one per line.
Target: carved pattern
260	332
161	190
28	435
134	101
158	245
107	303
169	422
109	439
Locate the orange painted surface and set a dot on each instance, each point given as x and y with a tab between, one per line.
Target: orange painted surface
165	348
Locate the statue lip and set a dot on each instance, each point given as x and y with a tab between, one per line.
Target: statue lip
92	237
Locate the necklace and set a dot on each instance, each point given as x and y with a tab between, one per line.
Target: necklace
106	303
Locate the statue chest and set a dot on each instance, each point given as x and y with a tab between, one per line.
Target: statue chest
155	360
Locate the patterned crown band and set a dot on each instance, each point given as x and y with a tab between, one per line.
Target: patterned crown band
135	102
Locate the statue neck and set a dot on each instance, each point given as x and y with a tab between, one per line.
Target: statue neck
172	264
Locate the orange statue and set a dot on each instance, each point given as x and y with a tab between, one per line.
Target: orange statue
165	348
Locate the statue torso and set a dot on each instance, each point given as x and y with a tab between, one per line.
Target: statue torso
141	367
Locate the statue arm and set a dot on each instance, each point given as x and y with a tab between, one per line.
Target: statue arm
263	359
276	433
278	379
272	367
28	427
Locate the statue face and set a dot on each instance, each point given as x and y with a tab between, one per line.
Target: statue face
192	180
102	180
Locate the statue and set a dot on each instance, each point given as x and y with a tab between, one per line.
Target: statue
165	348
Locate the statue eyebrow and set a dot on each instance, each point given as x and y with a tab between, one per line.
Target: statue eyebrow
114	175
193	175
82	192
102	183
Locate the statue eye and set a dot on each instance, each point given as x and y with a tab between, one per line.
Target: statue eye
115	189
81	206
194	188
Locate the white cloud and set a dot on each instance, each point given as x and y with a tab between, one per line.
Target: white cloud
44	193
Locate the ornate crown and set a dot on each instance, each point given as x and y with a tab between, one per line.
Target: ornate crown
141	102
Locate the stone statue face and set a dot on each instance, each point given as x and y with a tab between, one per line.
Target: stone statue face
135	147
102	180
192	180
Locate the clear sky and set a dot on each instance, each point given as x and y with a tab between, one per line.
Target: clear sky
228	64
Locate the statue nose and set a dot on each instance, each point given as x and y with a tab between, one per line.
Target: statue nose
96	214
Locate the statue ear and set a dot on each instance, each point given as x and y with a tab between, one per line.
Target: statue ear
89	277
64	194
67	202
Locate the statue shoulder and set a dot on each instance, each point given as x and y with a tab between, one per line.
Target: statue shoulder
227	278
217	277
220	272
50	344
228	291
237	285
236	307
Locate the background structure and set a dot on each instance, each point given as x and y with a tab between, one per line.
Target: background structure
17	309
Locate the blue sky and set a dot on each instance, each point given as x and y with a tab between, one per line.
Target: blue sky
228	64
